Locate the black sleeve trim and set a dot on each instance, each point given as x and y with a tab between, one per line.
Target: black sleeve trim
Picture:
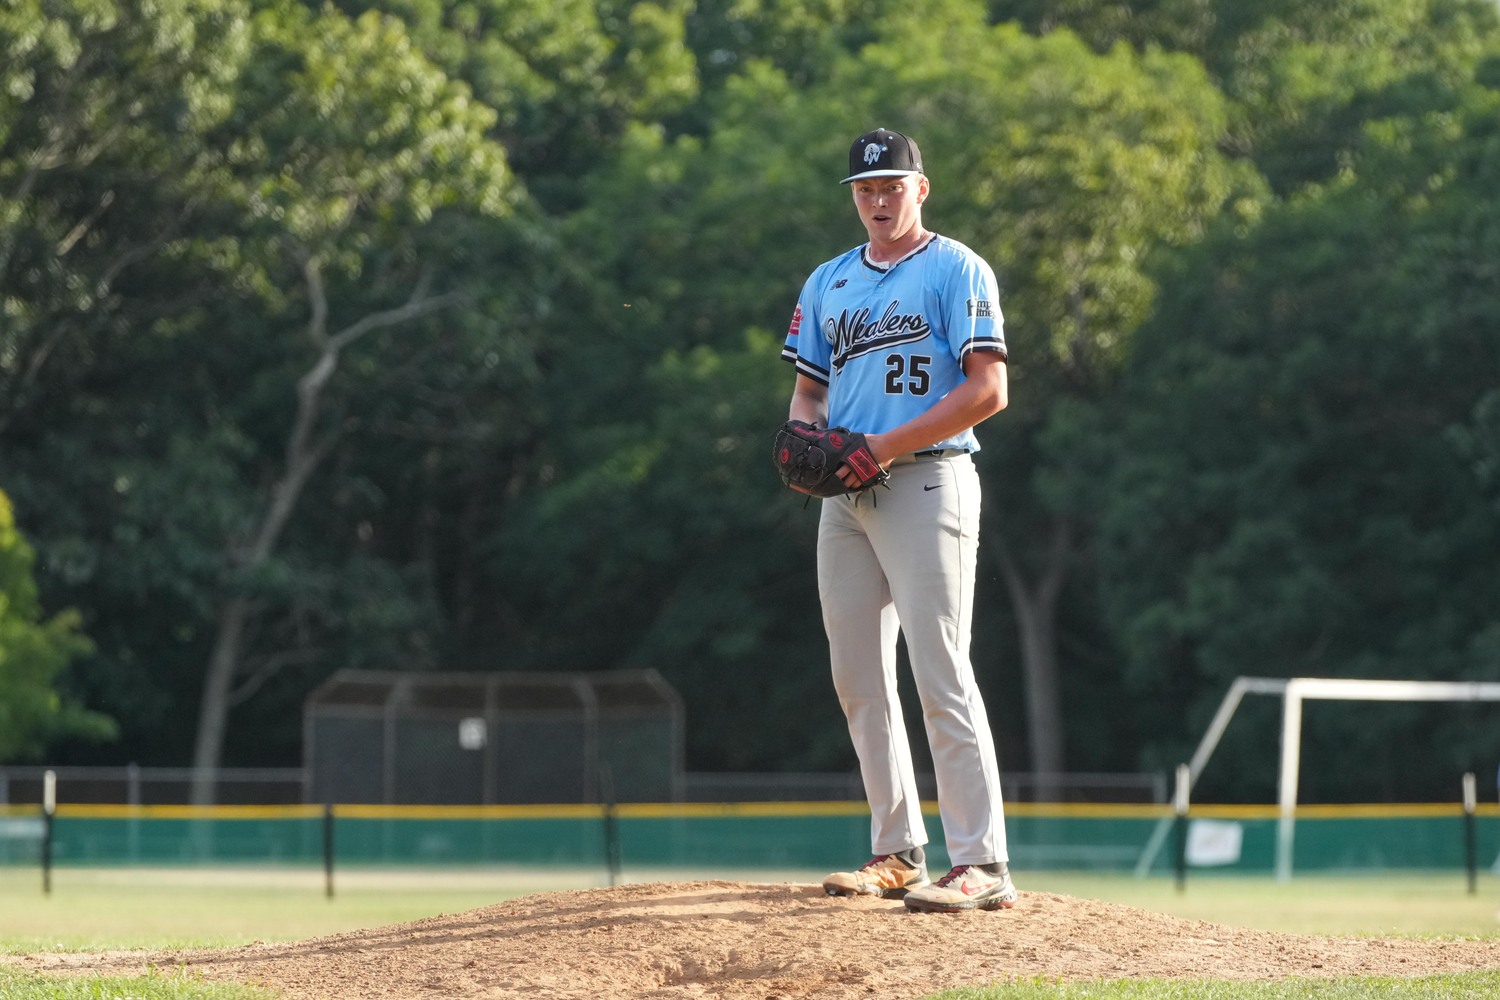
988	344
804	368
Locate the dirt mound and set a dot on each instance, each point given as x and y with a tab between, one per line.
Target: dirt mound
679	940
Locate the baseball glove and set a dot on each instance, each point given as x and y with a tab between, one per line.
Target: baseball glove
808	459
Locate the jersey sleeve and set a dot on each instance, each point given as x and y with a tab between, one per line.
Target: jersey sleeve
803	347
974	320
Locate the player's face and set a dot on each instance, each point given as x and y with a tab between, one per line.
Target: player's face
890	207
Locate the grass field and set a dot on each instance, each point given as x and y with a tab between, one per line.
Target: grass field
92	909
1405	903
95	909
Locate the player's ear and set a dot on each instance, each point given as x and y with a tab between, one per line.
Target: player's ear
924	188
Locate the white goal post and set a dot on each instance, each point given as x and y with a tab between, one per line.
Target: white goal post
1294	691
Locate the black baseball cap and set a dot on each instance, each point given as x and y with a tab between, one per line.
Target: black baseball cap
883	153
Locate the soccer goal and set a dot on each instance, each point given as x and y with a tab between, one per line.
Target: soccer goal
1294	691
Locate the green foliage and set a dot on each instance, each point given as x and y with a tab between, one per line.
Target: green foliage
1286	497
344	143
1068	170
1479	443
33	652
655	533
327	172
799	39
88	168
1247	258
565	79
1094	160
1300	78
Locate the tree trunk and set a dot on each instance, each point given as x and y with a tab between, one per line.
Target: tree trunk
1035	605
213	708
304	453
302	459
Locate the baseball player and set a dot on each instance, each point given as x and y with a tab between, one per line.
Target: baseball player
901	339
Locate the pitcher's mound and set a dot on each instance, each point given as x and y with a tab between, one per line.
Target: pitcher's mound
670	940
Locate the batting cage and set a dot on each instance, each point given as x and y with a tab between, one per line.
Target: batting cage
394	738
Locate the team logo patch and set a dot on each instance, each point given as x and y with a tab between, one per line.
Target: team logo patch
873	152
981	308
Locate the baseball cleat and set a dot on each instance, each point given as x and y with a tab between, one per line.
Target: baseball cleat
966	887
889	876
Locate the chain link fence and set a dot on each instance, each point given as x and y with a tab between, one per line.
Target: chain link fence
488	739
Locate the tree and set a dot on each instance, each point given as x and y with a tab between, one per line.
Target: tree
1299	476
98	109
1096	159
1300	78
270	303
105	115
33	652
688	567
801	40
565	79
351	143
1479	443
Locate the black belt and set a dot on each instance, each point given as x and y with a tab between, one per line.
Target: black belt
934	453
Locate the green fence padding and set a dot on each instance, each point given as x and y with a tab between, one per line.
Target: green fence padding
1077	844
470	841
832	842
698	841
169	842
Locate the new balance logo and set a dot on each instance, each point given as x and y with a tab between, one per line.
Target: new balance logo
841	283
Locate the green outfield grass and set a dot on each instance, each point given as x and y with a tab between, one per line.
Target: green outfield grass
97	909
158	986
1406	903
94	909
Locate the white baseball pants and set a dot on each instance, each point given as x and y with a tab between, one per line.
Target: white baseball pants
901	561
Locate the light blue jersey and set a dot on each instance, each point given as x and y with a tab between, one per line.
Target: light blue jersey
890	343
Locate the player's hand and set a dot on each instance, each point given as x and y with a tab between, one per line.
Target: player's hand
876	445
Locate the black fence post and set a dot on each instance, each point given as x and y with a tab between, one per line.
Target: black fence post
1180	806
49	810
611	824
328	849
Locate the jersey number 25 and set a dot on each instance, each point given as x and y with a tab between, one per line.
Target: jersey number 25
905	374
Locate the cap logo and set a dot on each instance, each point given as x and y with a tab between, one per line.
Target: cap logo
883	153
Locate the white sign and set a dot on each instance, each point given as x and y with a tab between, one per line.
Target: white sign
1213	842
472	733
22	828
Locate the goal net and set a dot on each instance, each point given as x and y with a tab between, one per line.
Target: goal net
1293	692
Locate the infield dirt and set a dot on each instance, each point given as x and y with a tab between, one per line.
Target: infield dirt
769	941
